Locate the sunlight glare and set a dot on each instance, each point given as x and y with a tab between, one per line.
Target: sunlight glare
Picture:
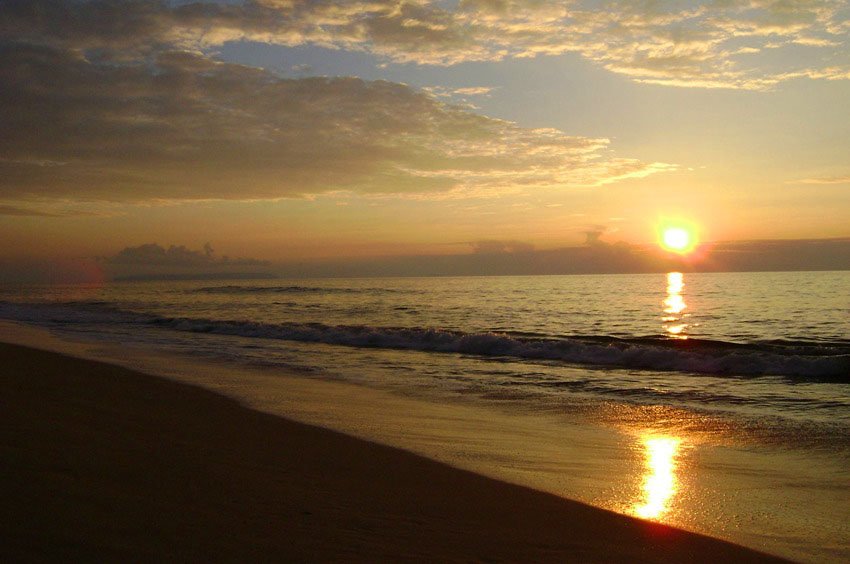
674	306
660	483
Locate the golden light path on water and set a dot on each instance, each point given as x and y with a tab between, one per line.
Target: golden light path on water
674	306
659	482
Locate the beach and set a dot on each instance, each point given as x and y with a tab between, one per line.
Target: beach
104	463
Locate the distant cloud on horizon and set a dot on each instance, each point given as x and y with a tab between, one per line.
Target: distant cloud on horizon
594	258
489	247
153	254
154	262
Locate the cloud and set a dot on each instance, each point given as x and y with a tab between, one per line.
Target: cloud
152	254
474	91
458	94
657	42
593	237
49	211
144	262
490	247
181	126
703	47
778	255
599	258
826	180
177	262
16	211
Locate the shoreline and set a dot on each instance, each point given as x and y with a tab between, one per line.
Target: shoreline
106	462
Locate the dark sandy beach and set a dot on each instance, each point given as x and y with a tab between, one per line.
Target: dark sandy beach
102	463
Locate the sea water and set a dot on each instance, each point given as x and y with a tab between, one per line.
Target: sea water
728	394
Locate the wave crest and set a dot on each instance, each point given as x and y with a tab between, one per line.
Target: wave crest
808	360
826	361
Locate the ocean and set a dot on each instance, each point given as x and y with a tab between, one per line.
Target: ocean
718	402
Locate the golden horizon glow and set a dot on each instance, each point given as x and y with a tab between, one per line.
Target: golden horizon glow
660	483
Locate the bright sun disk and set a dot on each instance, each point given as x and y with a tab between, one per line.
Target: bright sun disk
678	238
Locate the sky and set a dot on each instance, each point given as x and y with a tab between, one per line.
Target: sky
303	132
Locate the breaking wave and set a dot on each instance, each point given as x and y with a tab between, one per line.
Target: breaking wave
709	357
824	361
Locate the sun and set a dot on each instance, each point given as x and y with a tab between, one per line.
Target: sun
678	238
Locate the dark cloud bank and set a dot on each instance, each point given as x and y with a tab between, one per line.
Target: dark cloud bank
488	258
150	261
495	258
154	262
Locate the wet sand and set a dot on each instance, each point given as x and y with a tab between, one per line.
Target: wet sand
103	463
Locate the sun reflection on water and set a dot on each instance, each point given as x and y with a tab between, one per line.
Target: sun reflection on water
674	306
659	483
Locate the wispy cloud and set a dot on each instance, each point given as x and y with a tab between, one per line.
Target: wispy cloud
474	91
825	180
50	209
25	212
712	44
